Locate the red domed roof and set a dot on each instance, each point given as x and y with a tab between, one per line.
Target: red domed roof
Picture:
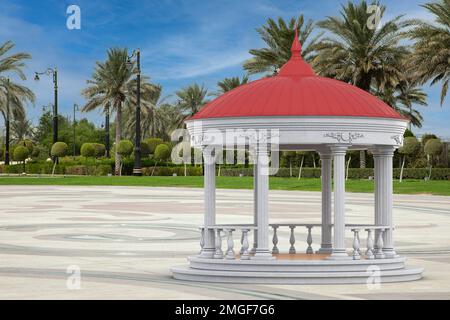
296	91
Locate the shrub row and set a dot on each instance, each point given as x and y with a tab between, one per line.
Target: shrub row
168	170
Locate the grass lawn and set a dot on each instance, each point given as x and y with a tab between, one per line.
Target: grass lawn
437	187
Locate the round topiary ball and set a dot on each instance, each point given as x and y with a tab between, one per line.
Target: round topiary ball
162	152
21	153
87	150
153	143
27	143
125	148
59	149
100	150
410	146
433	147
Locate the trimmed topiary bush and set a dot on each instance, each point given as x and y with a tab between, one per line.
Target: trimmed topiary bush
410	146
153	143
59	149
162	152
21	154
87	150
125	148
100	150
27	143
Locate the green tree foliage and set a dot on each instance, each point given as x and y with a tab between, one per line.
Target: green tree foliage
426	137
85	131
278	36
27	143
59	149
433	147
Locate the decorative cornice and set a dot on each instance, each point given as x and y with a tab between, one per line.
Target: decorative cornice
347	137
398	139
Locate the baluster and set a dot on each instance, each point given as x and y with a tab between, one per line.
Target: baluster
309	240
202	239
356	255
292	240
218	254
369	251
242	242
245	245
359	241
230	252
379	251
275	241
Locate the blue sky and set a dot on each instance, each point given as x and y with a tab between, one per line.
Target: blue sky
182	42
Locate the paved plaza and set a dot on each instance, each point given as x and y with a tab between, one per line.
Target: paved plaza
124	240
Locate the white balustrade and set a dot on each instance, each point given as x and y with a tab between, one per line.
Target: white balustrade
374	247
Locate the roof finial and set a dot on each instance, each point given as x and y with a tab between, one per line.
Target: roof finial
296	48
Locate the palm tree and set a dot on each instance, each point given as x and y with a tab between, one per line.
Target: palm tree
191	99
18	95
402	98
228	84
365	57
153	122
111	83
21	129
278	37
431	55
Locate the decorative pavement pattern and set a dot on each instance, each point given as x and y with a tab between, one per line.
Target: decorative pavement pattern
125	239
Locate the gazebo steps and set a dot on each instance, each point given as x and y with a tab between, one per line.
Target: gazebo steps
283	277
276	265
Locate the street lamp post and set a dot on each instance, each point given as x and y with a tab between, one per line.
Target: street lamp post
7	119
75	108
107	140
54	73
137	170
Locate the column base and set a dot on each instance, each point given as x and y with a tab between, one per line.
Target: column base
207	253
339	254
262	254
390	253
325	250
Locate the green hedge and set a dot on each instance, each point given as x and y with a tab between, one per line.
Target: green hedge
106	166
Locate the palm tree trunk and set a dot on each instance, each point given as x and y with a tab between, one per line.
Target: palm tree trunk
301	167
118	137
362	159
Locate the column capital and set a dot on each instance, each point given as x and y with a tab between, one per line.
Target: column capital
383	151
209	155
338	148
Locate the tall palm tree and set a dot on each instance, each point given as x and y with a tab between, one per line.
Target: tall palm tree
431	55
228	84
402	98
21	129
191	99
278	38
152	123
111	83
365	57
18	95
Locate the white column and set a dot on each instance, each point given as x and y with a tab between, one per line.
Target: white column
210	203
383	196
262	204
255	204
339	250
326	244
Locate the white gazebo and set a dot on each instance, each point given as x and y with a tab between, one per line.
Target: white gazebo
301	111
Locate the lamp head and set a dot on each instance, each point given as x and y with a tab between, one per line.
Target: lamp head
36	77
